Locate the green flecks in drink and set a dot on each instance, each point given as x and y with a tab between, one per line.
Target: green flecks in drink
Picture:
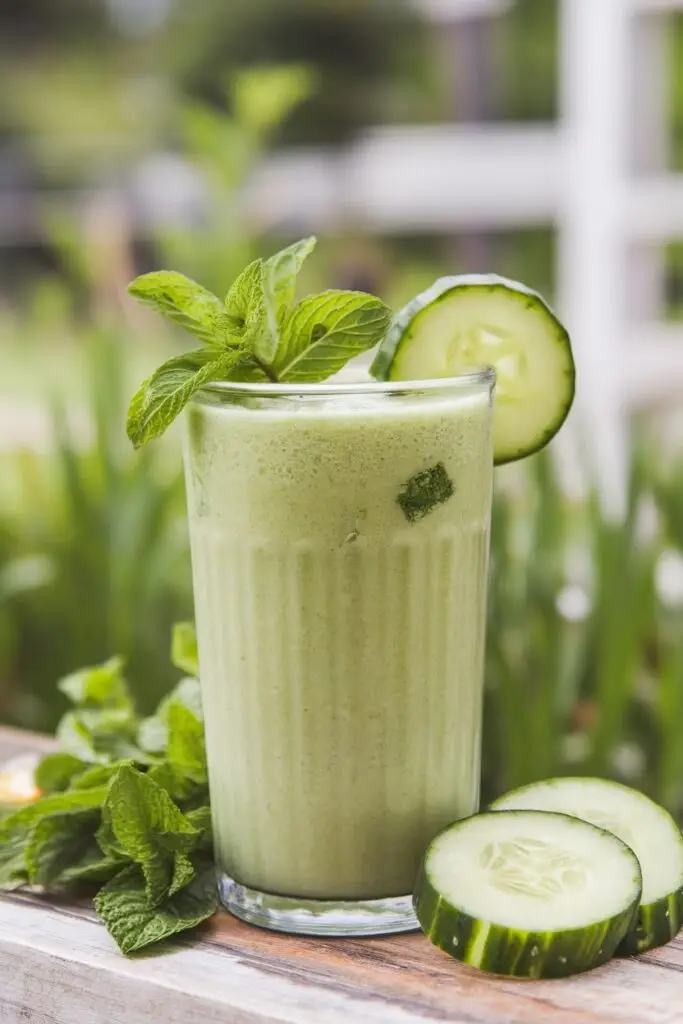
424	492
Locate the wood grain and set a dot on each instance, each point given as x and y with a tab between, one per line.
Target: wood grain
58	965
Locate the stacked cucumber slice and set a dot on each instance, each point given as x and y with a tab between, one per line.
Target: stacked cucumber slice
555	879
648	829
462	323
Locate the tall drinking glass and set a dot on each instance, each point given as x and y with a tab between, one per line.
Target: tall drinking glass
340	539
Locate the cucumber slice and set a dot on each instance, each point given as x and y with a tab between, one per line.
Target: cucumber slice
529	894
647	828
465	322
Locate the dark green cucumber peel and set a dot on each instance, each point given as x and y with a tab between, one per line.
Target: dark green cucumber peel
406	322
655	924
510	952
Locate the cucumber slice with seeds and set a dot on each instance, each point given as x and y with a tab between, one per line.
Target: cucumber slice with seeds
464	322
529	894
646	827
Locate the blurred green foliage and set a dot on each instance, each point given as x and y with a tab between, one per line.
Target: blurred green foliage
95	555
585	637
585	654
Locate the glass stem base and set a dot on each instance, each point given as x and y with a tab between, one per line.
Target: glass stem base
340	918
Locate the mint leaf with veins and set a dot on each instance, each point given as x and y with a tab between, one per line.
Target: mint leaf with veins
93	868
278	277
150	829
185	302
324	331
17	829
58	842
134	922
161	398
424	492
262	296
245	295
280	273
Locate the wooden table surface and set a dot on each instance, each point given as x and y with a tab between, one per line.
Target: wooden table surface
59	966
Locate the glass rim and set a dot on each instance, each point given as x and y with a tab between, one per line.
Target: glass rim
484	375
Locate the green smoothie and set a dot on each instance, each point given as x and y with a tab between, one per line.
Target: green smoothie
339	549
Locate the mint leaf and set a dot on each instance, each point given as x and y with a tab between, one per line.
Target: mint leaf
178	786
185	751
424	492
184	648
93	868
17	829
262	296
97	775
188	691
280	273
58	841
149	828
184	301
100	735
278	281
71	801
101	686
106	840
153	733
133	922
55	772
247	310
75	738
183	873
201	819
245	296
324	331
12	859
161	398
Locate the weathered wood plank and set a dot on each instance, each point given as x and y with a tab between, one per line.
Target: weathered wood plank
58	965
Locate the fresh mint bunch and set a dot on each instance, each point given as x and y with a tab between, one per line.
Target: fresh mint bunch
259	333
125	806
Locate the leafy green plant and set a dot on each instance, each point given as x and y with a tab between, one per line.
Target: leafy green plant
130	820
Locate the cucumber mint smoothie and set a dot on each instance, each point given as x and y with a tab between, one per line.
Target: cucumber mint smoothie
339	545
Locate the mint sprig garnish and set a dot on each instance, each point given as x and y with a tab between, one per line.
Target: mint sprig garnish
137	827
259	333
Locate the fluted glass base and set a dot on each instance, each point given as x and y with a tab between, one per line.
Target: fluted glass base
345	918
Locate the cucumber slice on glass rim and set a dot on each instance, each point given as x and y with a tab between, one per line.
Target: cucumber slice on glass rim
647	828
485	320
528	894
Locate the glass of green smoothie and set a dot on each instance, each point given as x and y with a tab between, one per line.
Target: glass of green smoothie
339	533
339	540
